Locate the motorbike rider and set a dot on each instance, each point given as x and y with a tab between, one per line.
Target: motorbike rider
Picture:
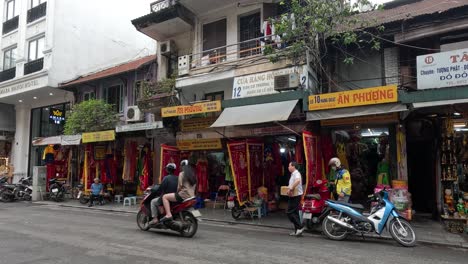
186	189
168	185
342	180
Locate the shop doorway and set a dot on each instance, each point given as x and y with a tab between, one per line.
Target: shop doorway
422	156
421	175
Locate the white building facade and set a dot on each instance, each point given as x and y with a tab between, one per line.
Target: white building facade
45	43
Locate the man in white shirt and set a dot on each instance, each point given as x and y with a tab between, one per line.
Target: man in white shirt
295	193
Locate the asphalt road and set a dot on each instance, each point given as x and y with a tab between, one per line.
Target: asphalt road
52	234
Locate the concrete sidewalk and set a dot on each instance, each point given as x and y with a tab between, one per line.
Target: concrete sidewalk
427	231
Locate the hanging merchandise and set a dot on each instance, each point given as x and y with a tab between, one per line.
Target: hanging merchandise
402	158
202	175
145	173
341	154
168	155
313	159
238	158
227	169
49	154
299	151
255	165
328	151
383	172
130	162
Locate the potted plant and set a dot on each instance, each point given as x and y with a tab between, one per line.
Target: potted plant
156	95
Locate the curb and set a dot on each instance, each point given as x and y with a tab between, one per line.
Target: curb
373	236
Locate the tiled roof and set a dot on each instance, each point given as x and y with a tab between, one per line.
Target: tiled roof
122	68
414	9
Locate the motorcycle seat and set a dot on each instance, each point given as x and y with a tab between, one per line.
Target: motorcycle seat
189	199
313	196
355	206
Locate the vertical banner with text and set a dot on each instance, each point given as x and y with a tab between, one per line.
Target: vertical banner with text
255	165
168	155
238	158
313	160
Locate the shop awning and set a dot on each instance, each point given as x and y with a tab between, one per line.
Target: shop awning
71	140
58	140
355	111
255	114
439	103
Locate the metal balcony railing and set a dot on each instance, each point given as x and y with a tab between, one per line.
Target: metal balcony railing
233	52
33	66
8	74
37	12
10	25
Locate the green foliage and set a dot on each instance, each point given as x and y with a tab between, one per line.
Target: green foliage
90	116
150	89
314	21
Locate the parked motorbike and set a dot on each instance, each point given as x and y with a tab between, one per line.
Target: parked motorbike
57	190
21	191
345	219
314	207
185	218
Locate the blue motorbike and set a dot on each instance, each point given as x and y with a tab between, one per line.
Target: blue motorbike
345	219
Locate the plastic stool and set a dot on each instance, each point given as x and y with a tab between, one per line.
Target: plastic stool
118	198
127	201
133	200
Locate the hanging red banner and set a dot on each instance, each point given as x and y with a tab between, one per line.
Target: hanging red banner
168	155
313	163
238	158
255	166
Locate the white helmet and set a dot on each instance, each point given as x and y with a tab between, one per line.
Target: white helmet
334	162
171	166
183	163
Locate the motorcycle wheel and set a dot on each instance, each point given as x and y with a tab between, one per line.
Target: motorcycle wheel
404	233
333	231
192	225
83	199
236	212
142	219
6	197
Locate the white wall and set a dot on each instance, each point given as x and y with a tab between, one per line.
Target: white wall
90	35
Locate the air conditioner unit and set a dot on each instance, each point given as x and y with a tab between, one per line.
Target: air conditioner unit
167	47
133	114
286	82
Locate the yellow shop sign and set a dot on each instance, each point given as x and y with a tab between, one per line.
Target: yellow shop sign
368	96
100	136
198	108
199	144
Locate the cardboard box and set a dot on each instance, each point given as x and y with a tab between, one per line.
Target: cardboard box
284	191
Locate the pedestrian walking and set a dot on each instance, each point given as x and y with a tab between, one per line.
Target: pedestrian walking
295	193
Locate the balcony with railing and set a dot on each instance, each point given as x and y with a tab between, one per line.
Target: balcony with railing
33	66
37	12
241	54
10	25
8	74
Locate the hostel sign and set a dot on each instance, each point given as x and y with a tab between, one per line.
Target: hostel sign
368	96
161	5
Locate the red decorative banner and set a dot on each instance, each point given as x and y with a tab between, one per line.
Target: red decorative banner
168	155
239	166
255	165
313	162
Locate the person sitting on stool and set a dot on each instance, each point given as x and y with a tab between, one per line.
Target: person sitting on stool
97	190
